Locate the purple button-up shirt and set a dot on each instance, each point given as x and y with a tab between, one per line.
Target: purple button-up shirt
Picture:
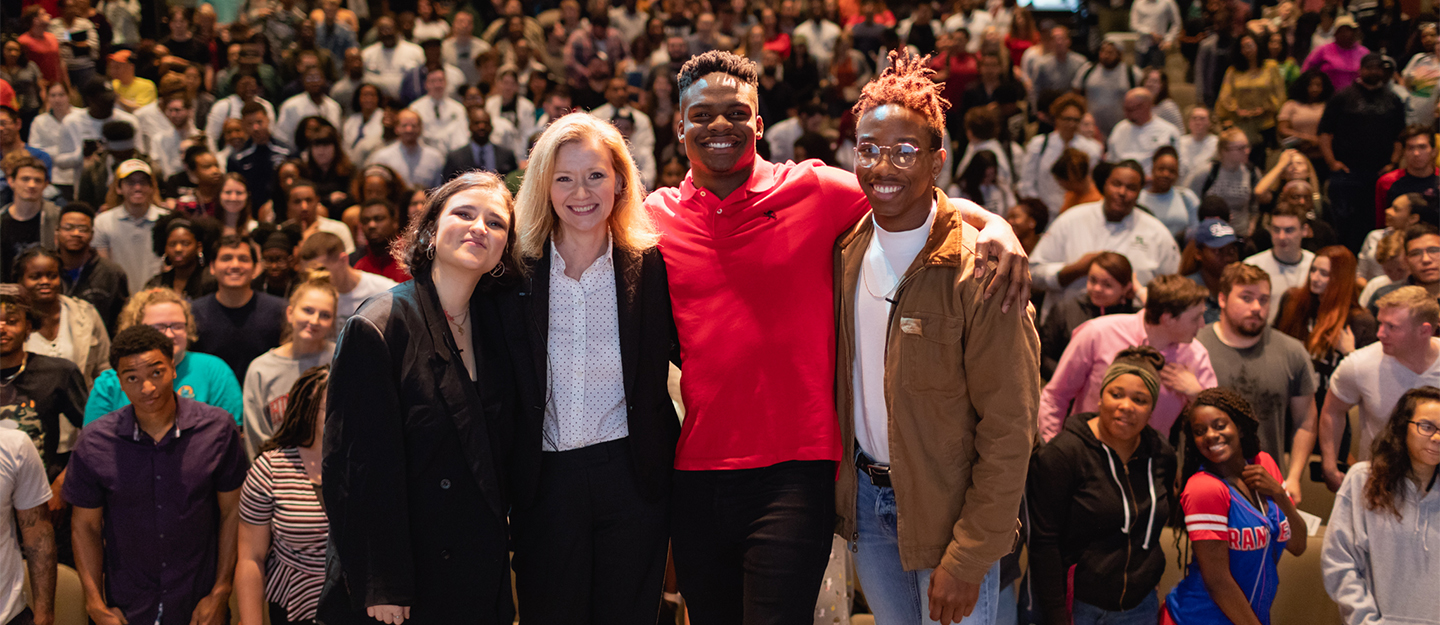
161	511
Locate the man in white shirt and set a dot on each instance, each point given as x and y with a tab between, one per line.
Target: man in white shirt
1106	83
24	494
1062	258
324	250
48	132
782	136
313	102
973	19
168	143
101	102
1141	133
246	89
642	138
1036	181
462	47
820	35
1405	356
520	112
1158	24
419	164
387	60
123	234
446	127
1287	263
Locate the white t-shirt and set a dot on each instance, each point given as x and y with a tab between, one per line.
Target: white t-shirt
1128	141
22	486
339	229
1283	277
886	259
1370	379
1177	208
369	284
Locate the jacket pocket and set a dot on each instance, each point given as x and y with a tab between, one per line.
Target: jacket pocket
929	345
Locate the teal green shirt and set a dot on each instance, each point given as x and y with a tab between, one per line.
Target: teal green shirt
201	377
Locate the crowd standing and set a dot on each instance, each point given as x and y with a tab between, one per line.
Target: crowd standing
351	311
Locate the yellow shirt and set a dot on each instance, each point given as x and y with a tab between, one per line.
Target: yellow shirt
140	92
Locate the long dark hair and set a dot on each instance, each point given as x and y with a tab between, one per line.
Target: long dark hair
1300	89
297	429
415	248
1389	455
973	178
1239	411
1237	58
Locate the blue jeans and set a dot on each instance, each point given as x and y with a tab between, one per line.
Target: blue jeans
1147	613
897	596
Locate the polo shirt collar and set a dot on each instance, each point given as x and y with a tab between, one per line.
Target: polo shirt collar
153	214
129	426
762	178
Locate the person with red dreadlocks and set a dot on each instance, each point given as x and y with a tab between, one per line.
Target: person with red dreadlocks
938	387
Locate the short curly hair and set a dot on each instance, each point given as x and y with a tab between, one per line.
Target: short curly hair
907	83
716	61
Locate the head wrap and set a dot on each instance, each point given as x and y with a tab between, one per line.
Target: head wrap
1143	362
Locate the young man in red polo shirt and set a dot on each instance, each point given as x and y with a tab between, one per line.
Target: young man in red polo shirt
748	248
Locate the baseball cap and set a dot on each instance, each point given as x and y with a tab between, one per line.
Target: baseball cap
1376	58
132	166
1345	20
1214	232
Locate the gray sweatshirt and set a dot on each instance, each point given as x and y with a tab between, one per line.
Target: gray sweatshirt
267	391
1380	569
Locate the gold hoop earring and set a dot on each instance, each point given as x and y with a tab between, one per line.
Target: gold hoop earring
501	267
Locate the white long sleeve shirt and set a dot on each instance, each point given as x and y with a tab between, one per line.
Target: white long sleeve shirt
228	108
1040	155
52	136
386	67
524	121
1128	141
446	125
299	107
586	398
1155	17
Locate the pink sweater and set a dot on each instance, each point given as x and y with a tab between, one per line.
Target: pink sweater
1343	66
1092	347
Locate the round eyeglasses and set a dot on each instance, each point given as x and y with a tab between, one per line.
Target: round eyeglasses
902	155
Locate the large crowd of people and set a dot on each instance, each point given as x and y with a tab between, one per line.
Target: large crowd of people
354	311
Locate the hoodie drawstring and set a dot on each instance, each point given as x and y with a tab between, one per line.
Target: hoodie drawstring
1149	527
1125	501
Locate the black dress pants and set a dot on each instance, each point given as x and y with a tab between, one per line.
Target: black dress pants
751	545
590	550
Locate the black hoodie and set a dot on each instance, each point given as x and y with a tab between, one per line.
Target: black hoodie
1081	517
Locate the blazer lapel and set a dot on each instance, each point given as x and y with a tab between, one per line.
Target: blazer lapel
628	266
461	400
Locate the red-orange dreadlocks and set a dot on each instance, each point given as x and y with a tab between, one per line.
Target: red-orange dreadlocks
907	83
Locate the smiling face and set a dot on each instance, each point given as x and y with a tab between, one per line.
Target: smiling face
74	232
1163	173
1125	407
408	127
148	380
1216	436
169	319
471	232
1319	275
312	316
1104	290
14	329
583	187
279	263
719	124
233	196
234	266
41	277
893	191
1424	450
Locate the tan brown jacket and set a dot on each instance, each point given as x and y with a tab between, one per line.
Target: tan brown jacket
962	383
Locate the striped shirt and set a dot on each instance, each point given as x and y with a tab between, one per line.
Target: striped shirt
279	493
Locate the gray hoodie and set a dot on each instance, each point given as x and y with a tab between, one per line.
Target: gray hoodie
267	391
1380	569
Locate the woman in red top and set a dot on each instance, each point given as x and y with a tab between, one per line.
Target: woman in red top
41	47
1023	34
957	68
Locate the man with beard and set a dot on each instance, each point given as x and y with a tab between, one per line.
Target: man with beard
1104	84
1269	368
1354	139
761	440
380	220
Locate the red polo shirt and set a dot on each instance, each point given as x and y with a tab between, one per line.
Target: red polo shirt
752	285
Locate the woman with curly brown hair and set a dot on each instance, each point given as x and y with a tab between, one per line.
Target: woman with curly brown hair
1378	560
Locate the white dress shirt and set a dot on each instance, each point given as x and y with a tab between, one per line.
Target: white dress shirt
585	404
299	107
1040	155
975	25
462	54
50	134
357	127
446	125
642	140
1142	239
165	148
228	108
524	121
386	67
421	167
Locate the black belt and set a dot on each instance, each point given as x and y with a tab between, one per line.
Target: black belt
879	473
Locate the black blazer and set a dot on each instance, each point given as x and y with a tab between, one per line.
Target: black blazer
414	464
462	160
647	342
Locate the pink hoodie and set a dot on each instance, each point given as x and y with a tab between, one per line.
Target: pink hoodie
1092	347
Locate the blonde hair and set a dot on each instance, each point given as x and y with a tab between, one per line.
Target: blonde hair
1420	303
1390	246
134	312
535	222
316	280
1233	135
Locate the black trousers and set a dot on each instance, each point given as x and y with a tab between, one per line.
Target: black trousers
590	550
278	616
751	545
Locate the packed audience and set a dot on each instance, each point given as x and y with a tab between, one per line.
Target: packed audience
306	309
